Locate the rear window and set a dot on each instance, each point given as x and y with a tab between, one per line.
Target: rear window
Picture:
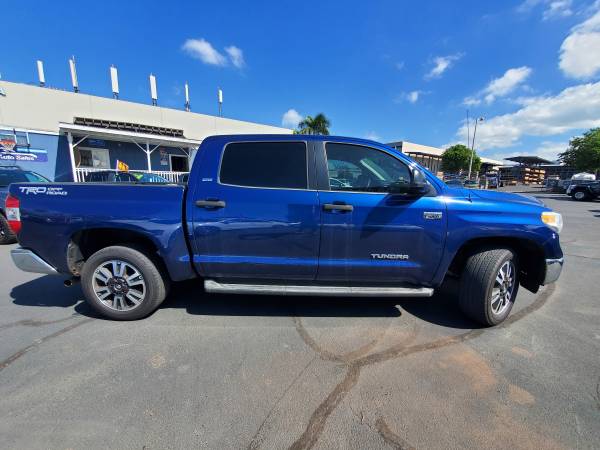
265	164
13	176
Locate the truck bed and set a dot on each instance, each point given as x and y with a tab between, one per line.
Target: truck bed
52	214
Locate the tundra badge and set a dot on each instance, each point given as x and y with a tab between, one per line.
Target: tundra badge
432	215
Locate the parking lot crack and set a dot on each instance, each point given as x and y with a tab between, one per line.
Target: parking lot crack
12	358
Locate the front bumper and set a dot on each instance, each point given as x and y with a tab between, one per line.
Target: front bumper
28	261
553	270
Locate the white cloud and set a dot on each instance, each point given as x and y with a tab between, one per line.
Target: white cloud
291	118
371	135
400	65
236	55
499	87
441	64
579	51
204	51
574	108
552	8
557	9
411	97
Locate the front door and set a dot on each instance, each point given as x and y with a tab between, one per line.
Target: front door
369	235
257	218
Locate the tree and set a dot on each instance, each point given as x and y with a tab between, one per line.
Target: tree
457	157
583	152
317	125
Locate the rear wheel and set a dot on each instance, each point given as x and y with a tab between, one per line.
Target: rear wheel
579	196
123	283
6	234
489	285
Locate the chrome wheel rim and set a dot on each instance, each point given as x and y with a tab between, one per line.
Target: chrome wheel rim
579	195
119	285
503	289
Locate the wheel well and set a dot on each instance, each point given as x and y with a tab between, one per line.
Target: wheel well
529	255
84	244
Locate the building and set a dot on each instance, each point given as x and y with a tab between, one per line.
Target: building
66	135
431	157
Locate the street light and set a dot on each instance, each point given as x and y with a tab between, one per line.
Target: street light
473	146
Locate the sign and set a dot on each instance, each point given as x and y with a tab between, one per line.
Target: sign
122	167
164	157
7	143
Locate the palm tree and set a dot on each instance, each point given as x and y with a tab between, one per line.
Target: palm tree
317	125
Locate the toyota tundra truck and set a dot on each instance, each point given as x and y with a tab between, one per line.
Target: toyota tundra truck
288	215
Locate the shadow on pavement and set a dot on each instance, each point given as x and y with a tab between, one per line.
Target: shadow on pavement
441	309
49	291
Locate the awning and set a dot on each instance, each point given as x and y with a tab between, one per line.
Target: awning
119	135
529	160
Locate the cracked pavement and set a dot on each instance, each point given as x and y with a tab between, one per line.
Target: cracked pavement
270	373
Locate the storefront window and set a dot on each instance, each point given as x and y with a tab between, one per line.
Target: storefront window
97	158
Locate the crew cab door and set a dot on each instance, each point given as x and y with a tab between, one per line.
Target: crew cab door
254	213
369	235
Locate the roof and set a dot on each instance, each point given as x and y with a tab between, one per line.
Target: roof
41	109
529	160
110	134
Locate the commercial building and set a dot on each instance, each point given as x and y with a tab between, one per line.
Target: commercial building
66	135
431	157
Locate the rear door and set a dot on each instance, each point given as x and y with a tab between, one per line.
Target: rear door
367	234
256	215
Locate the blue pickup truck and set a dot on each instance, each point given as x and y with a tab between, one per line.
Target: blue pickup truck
288	215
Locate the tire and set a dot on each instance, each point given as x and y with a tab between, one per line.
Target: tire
6	234
479	285
111	282
579	196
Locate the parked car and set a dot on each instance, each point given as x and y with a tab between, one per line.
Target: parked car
110	176
8	175
289	215
584	190
471	184
145	177
455	183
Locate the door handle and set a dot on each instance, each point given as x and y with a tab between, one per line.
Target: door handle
337	207
210	203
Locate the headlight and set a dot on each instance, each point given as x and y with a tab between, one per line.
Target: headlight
553	220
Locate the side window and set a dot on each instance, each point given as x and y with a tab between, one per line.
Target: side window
265	164
363	169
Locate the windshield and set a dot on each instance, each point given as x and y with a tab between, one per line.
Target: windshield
16	176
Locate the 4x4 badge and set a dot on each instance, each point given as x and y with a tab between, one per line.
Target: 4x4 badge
432	215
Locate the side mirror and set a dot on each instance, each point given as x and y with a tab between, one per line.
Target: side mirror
408	190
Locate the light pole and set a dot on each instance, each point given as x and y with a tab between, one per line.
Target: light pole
473	146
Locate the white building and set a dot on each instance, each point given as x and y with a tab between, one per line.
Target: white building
65	135
431	157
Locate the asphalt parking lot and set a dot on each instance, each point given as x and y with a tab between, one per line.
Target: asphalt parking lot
223	372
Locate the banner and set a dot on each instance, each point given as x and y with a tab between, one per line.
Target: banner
122	167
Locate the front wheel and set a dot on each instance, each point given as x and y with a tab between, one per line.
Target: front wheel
580	196
489	285
123	283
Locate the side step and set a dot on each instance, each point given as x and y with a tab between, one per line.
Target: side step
331	291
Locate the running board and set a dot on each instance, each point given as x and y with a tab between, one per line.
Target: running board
330	291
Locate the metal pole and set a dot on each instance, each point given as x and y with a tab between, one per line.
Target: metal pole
472	149
148	156
72	156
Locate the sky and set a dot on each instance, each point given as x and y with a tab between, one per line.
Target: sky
384	70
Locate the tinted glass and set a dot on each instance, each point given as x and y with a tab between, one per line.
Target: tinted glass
358	168
265	164
13	176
